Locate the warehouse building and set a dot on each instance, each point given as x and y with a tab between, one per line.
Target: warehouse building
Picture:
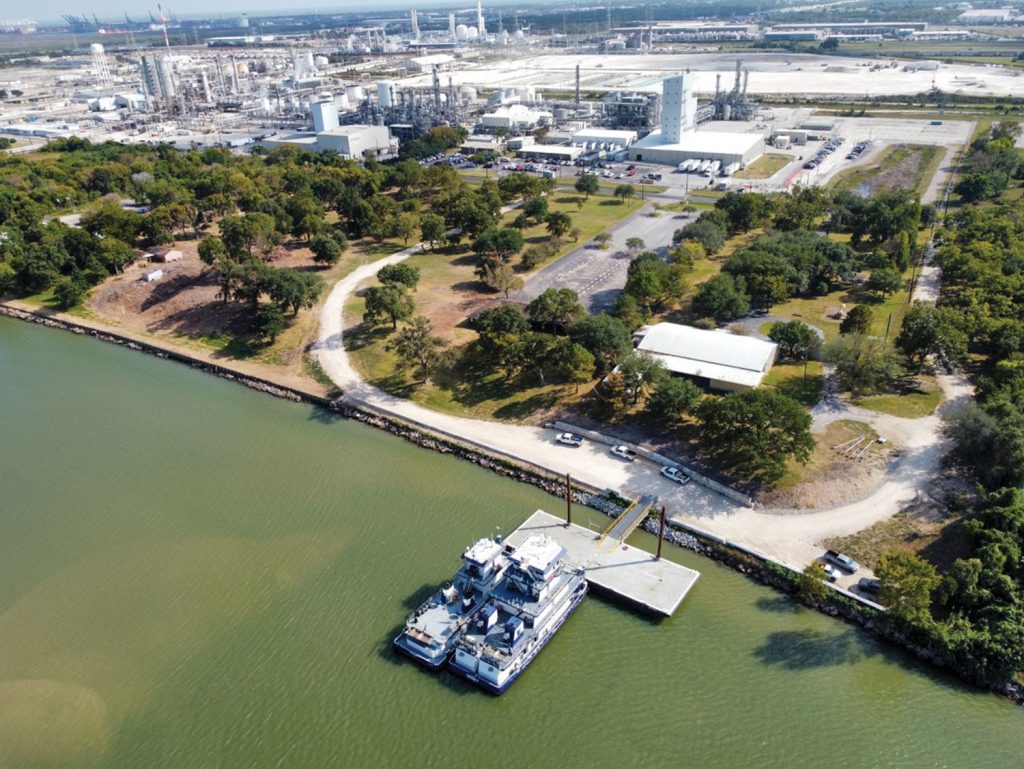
716	360
350	141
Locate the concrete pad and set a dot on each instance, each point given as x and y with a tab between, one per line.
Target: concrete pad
626	572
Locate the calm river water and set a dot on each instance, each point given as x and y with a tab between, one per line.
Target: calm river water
196	575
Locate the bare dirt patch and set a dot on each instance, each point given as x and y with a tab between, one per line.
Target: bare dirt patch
832	476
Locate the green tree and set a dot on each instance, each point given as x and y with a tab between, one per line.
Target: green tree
406	224
810	585
635	245
432	229
884	282
627	310
502	244
796	340
269	322
327	250
755	432
723	298
929	330
556	309
863	364
499	276
604	336
399	274
907	585
858	320
69	292
625	192
640	373
536	208
745	210
603	239
291	289
417	347
706	231
672	399
587	185
575	362
242	235
389	302
559	224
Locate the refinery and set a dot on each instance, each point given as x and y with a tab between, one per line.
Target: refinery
662	92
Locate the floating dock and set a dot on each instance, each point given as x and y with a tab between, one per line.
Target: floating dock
634	575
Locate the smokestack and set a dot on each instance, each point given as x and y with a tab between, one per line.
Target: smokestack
451	25
480	27
577	88
746	79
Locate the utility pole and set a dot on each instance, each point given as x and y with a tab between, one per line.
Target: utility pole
568	500
888	323
661	531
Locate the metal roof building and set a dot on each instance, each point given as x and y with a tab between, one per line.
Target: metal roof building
715	359
725	147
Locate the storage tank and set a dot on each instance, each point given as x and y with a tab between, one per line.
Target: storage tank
561	113
341	102
321	62
354	93
467	92
386	93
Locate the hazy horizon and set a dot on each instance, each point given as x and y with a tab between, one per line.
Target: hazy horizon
51	11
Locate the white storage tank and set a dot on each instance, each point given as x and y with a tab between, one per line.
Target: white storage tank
354	93
321	62
386	93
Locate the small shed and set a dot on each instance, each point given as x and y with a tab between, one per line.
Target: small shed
163	254
152	276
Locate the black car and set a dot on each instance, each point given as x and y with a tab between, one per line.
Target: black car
869	585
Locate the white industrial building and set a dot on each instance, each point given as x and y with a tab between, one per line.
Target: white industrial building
718	360
983	16
678	140
350	141
610	139
427	63
515	117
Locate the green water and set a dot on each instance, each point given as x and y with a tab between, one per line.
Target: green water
196	575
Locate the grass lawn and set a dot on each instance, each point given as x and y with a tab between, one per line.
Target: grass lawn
593	217
910	166
919	398
789	379
813	309
765	166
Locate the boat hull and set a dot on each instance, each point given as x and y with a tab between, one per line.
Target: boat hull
494	689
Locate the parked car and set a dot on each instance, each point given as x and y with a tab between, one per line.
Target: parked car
842	561
869	585
624	452
830	572
675	474
570	439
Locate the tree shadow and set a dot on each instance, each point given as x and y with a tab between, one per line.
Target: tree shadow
325	416
364	335
804	390
397	384
526	407
797	650
779	604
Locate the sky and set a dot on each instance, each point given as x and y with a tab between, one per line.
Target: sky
52	10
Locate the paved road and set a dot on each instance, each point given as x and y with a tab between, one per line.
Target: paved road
598	275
